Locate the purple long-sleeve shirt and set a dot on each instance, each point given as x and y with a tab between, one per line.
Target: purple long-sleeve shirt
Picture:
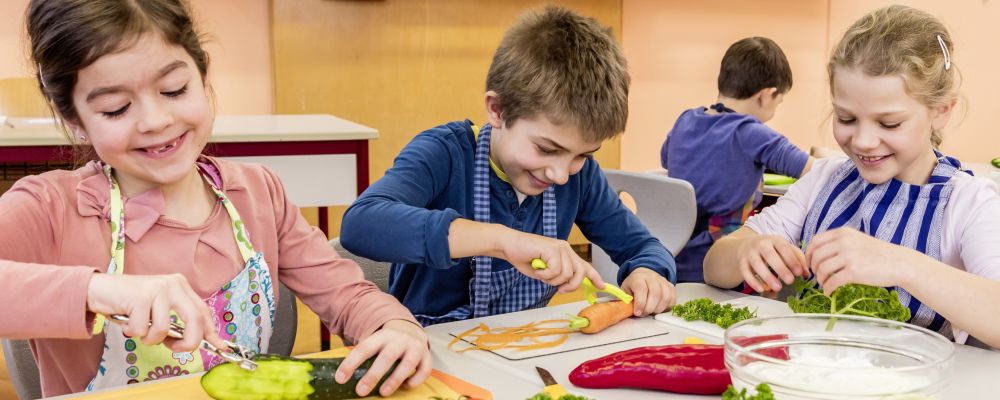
723	156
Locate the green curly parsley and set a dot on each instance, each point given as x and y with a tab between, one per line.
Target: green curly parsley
851	299
763	393
705	309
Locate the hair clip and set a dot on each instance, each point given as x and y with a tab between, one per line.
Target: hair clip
41	78
947	55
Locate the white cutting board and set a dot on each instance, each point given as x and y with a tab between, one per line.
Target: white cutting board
624	331
765	308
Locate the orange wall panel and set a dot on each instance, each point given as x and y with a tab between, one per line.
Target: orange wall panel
972	134
239	44
674	50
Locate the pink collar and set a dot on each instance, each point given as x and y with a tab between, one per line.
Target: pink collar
142	211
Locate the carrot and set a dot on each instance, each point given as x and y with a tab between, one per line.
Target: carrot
485	338
602	315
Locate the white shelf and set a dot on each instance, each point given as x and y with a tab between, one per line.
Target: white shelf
227	129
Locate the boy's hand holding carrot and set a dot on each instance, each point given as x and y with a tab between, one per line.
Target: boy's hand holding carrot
652	292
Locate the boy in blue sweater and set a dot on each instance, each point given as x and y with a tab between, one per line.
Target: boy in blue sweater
723	149
465	208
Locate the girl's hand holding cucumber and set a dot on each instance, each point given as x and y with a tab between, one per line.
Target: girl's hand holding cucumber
397	340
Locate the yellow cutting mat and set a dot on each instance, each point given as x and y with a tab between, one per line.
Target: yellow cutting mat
438	384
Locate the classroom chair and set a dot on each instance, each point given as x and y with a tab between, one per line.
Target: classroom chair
665	205
375	271
24	372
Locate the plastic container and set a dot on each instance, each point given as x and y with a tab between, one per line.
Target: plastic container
859	358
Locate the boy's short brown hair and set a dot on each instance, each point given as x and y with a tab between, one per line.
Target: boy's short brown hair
564	66
751	65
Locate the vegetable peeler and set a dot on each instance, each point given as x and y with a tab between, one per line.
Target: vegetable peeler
236	353
589	290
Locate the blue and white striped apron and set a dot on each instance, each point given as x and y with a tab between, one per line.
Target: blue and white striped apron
502	291
896	212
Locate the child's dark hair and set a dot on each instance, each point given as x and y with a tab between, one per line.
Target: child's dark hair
69	35
564	66
751	65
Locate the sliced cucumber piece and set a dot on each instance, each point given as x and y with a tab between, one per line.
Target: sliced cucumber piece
281	378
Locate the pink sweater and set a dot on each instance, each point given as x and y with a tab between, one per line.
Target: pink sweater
54	234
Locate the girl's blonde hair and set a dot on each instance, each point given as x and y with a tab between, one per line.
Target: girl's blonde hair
904	41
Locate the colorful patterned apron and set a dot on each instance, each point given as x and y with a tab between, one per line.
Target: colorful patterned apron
720	225
243	310
723	224
503	291
896	212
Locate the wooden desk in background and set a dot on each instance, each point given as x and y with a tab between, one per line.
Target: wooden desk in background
321	159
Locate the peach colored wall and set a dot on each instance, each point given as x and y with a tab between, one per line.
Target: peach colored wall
674	50
972	135
239	44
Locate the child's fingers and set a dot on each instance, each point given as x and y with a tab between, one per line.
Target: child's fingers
595	277
198	322
821	253
746	271
358	355
827	268
553	263
407	365
763	272
793	258
819	241
669	299
578	273
569	267
640	294
386	357
774	261
160	319
835	281
556	277
653	297
138	320
423	371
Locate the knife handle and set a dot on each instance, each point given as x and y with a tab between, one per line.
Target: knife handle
556	391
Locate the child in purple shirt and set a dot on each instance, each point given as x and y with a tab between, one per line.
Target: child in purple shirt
723	149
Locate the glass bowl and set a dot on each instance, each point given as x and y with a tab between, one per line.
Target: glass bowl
857	358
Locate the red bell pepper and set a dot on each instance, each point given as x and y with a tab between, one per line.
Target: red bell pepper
779	352
687	368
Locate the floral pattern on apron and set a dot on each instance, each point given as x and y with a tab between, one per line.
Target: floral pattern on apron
243	310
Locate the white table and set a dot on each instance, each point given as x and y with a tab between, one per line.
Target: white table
976	370
299	148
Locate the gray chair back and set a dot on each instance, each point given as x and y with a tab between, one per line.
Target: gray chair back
286	321
22	368
24	371
665	205
375	271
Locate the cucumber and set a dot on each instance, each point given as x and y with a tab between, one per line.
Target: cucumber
279	377
996	162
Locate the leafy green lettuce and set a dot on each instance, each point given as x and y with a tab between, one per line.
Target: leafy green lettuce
851	299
